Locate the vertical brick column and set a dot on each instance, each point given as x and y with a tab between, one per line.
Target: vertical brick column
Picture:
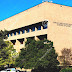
25	39
12	34
41	27
17	45
25	31
35	29
16	33
20	32
30	30
9	35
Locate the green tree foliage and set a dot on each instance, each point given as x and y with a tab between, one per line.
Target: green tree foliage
38	54
66	70
3	36
5	50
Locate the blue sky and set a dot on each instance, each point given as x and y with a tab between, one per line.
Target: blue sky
9	8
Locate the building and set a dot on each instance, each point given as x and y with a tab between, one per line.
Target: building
46	20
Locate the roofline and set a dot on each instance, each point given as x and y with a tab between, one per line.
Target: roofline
33	7
62	4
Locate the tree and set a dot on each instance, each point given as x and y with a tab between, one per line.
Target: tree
2	37
66	57
38	54
5	50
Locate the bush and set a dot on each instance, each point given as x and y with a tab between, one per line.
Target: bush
66	70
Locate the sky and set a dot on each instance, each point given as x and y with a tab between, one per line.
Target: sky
9	8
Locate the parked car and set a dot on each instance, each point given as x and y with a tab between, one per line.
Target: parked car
3	71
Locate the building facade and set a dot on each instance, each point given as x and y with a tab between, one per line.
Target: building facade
46	20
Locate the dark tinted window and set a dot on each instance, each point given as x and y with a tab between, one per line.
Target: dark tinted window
23	31
33	29
39	27
15	33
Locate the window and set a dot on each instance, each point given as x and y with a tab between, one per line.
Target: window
21	42
23	31
13	43
11	34
19	32
33	29
39	28
8	35
15	33
45	26
27	30
45	23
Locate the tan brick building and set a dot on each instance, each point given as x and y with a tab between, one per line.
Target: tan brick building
30	24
